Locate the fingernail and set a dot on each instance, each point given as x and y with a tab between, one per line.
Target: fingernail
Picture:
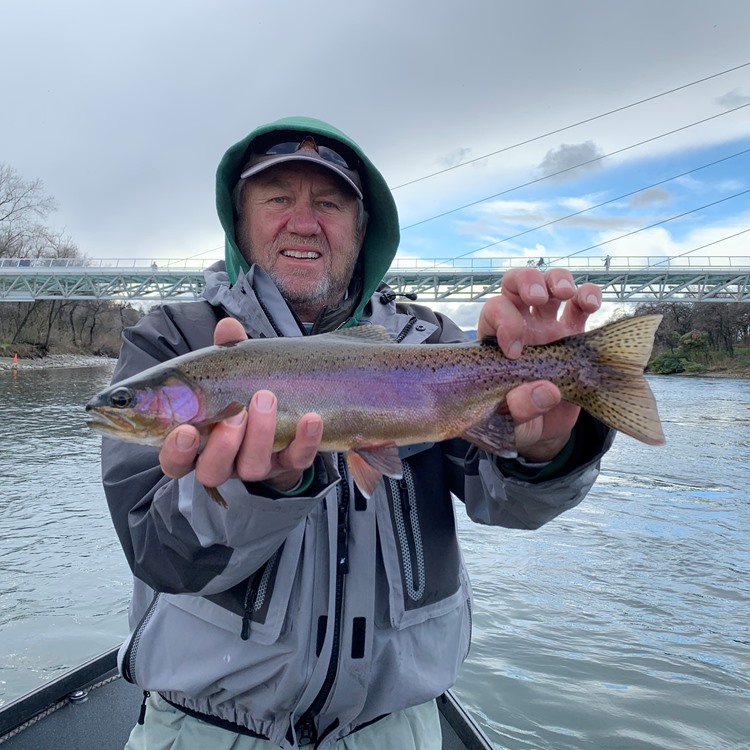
236	419
565	284
185	440
537	290
264	402
514	350
313	428
592	299
542	398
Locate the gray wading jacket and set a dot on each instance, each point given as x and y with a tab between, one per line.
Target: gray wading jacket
314	614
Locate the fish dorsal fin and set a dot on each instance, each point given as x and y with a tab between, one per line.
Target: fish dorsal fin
496	433
362	334
367	464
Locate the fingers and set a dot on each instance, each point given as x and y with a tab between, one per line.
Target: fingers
254	458
587	300
528	309
257	461
177	455
532	400
501	318
543	421
215	464
229	331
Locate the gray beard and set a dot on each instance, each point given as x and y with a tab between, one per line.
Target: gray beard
320	294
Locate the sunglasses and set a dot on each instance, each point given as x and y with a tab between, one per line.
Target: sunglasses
278	143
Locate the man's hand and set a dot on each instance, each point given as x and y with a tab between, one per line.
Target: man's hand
242	446
526	312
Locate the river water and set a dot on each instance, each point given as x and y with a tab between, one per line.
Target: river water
622	625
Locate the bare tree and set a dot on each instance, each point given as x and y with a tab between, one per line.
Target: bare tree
24	207
21	198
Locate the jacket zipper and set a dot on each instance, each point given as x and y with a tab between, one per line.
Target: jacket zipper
408	532
306	724
257	590
128	663
405	330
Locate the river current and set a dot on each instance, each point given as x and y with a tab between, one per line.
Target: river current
622	625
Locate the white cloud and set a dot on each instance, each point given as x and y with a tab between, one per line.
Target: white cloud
734	98
650	197
560	164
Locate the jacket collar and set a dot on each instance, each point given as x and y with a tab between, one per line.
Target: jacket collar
256	302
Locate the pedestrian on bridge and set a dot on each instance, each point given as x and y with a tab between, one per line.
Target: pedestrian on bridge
305	613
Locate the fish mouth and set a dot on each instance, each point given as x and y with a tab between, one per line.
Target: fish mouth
118	425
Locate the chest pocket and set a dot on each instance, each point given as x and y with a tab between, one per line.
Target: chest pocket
258	608
418	544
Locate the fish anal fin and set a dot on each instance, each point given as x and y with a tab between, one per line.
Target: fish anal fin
367	464
496	433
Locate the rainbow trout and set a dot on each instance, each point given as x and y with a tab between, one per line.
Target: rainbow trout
374	395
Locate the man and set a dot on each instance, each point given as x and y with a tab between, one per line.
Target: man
305	613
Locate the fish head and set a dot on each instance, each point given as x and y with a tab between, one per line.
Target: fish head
145	411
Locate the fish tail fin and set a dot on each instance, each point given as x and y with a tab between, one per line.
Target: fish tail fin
618	394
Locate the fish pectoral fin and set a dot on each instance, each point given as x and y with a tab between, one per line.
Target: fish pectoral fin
204	429
496	433
216	496
234	407
367	464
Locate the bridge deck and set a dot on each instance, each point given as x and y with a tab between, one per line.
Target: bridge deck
710	279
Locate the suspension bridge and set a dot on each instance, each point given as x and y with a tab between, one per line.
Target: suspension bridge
628	279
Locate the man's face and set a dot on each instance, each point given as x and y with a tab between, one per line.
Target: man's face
299	223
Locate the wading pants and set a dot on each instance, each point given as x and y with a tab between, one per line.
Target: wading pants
167	728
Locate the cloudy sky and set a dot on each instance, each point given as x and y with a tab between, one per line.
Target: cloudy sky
124	110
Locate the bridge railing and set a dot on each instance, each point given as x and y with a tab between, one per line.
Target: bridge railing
436	265
629	263
107	264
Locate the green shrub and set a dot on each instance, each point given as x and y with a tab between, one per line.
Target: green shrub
667	364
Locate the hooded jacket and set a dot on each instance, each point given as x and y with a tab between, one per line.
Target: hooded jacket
382	237
304	616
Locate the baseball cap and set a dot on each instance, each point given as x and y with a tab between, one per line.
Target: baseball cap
281	147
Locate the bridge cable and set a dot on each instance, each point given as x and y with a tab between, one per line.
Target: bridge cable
655	224
568	127
576	166
599	205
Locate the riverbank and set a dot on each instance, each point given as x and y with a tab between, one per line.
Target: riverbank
55	361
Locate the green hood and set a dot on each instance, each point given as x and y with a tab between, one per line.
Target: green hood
382	237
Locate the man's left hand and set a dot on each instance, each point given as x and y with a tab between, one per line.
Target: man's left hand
526	312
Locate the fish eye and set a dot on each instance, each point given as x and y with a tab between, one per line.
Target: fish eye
121	398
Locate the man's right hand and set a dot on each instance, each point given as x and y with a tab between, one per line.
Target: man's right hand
242	446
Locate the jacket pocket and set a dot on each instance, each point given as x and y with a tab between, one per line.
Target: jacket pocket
257	608
418	544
